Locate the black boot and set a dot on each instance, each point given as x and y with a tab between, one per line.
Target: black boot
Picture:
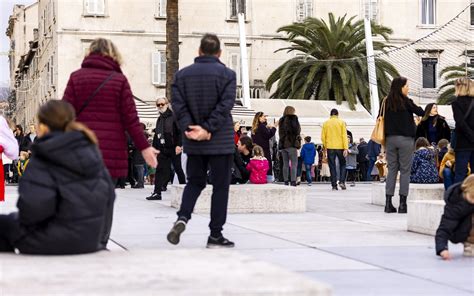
389	208
402	209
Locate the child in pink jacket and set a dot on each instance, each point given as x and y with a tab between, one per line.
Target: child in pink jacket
258	166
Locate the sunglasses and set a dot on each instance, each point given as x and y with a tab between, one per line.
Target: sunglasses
160	105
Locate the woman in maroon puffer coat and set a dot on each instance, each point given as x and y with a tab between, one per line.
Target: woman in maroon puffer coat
112	111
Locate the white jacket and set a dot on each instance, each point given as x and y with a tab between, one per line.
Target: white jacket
7	140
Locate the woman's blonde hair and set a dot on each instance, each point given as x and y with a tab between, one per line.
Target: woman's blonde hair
289	110
256	122
106	48
468	185
60	116
257	151
464	87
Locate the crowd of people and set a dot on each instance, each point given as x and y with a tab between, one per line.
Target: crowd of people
86	145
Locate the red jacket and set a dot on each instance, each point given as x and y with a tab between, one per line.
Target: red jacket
110	114
258	171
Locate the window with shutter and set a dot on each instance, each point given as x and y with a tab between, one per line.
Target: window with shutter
158	61
428	12
94	7
160	8
304	9
429	72
237	6
234	64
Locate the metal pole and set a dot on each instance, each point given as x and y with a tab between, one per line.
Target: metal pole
374	94
244	62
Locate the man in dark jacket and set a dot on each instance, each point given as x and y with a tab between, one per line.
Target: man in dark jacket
373	150
167	140
456	222
203	95
362	158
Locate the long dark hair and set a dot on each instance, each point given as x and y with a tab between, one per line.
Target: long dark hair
427	114
60	116
396	99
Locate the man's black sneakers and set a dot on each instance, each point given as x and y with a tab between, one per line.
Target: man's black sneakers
154	196
220	242
178	228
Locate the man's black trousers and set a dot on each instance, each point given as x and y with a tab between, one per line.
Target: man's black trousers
220	174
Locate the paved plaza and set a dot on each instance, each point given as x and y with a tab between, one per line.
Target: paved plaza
341	241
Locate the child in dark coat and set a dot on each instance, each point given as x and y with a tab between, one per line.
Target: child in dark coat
66	194
308	155
456	222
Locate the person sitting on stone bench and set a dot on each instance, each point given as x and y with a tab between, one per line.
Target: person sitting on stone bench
456	222
258	166
423	168
66	196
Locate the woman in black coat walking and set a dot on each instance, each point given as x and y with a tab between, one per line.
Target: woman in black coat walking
262	132
66	195
433	126
463	111
289	143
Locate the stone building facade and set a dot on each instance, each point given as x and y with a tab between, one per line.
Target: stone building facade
66	28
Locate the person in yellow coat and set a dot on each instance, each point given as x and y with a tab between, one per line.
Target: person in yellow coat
334	137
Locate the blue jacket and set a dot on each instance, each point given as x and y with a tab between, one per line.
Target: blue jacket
204	94
308	152
423	168
373	149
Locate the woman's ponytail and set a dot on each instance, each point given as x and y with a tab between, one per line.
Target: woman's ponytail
79	127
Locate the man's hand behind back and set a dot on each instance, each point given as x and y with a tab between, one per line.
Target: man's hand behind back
197	133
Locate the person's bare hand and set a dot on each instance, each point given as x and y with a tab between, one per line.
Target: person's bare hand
178	150
445	255
448	164
149	154
345	153
197	133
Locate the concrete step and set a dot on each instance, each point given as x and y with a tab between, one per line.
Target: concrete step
250	198
424	216
416	192
196	272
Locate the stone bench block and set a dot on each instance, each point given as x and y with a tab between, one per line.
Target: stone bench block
196	272
416	192
250	198
424	216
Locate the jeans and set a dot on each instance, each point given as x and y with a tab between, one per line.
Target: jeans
448	178
196	171
332	154
139	174
460	170
308	168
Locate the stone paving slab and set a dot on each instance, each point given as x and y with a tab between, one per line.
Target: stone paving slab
158	272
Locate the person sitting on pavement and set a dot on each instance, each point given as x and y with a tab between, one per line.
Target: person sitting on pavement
242	156
66	196
309	155
456	222
258	166
423	168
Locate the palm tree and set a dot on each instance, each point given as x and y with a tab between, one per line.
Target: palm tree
172	43
330	63
450	74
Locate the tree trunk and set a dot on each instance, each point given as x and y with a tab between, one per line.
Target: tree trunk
172	43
